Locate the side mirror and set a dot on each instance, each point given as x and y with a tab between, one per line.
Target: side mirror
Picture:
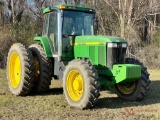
96	25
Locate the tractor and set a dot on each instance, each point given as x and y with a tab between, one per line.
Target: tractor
69	50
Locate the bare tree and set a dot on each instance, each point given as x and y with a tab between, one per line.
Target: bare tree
17	8
2	12
130	13
37	8
123	10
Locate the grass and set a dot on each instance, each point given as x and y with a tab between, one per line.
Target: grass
52	105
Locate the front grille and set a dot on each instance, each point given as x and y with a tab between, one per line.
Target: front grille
115	55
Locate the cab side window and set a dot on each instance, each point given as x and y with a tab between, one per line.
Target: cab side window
50	30
53	30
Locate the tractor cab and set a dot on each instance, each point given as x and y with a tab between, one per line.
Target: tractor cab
62	23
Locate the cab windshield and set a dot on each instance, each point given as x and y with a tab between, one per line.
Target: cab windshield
77	23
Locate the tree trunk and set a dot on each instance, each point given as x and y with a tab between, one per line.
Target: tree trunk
13	12
122	19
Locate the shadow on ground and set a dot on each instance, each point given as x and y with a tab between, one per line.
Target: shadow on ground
115	102
153	97
51	91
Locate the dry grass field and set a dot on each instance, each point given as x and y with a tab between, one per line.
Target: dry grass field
52	104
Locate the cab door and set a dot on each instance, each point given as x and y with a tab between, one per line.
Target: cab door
51	30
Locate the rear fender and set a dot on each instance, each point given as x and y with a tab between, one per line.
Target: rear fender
45	43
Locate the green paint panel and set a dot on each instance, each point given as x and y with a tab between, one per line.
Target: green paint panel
126	72
122	72
92	54
102	55
119	73
46	46
81	51
96	53
98	38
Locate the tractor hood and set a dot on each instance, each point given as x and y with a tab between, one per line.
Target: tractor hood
97	38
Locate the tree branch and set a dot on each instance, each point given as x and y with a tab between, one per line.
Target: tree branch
112	9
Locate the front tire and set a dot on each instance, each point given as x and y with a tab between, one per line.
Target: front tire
20	70
137	90
81	85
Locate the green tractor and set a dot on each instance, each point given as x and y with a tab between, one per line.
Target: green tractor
69	50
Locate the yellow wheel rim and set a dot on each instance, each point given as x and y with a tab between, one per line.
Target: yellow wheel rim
74	85
14	70
126	88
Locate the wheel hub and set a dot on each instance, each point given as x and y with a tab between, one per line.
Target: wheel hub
77	84
74	85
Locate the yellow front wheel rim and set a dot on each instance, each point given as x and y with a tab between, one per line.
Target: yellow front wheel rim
126	88
74	85
14	70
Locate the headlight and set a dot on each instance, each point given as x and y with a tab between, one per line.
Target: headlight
112	45
124	45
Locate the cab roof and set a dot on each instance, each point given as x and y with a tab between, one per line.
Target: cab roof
68	7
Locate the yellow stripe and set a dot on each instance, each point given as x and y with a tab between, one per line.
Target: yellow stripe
90	43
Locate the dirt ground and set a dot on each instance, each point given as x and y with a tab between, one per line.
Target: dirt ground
52	104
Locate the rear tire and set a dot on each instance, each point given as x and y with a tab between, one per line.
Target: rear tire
20	70
137	90
81	84
43	69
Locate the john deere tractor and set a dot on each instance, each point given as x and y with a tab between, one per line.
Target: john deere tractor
69	50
